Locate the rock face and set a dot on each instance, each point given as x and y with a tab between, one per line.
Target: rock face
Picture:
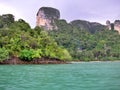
45	18
113	26
92	27
16	60
117	25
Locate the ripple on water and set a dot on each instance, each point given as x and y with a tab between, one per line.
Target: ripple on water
77	76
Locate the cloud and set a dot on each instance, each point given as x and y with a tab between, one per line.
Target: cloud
6	9
91	10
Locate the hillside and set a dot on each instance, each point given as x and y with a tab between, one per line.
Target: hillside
56	39
18	40
85	40
83	45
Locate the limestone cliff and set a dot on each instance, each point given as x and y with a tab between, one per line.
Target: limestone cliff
45	18
113	26
91	27
49	19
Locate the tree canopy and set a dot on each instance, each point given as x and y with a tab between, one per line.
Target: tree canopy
19	40
103	44
69	42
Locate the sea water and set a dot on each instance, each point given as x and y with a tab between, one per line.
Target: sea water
76	76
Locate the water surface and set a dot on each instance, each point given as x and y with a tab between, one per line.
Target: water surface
77	76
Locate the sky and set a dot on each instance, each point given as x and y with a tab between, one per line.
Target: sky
90	10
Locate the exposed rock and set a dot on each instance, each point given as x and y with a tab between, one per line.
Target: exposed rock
117	25
45	18
49	19
86	25
16	60
113	26
108	24
117	22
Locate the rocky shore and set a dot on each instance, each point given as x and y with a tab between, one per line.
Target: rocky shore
15	60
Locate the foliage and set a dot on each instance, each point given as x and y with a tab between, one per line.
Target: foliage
3	54
30	54
21	41
82	45
67	43
37	53
6	20
26	55
64	55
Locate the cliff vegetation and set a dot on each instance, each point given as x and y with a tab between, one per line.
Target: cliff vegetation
96	43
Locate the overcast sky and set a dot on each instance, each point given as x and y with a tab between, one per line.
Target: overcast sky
90	10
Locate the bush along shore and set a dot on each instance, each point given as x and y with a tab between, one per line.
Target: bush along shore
19	44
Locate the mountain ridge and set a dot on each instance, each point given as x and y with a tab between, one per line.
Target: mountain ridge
46	15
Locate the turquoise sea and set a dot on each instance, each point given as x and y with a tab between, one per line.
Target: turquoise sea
77	76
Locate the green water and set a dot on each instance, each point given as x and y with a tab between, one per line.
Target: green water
79	76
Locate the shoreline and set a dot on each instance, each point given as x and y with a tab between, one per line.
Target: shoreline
17	61
72	62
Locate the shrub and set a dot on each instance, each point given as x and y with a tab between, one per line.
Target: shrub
26	55
37	53
29	55
63	54
3	54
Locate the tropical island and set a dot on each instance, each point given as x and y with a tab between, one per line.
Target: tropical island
54	41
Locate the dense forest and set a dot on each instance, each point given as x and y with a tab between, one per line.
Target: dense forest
87	44
18	39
